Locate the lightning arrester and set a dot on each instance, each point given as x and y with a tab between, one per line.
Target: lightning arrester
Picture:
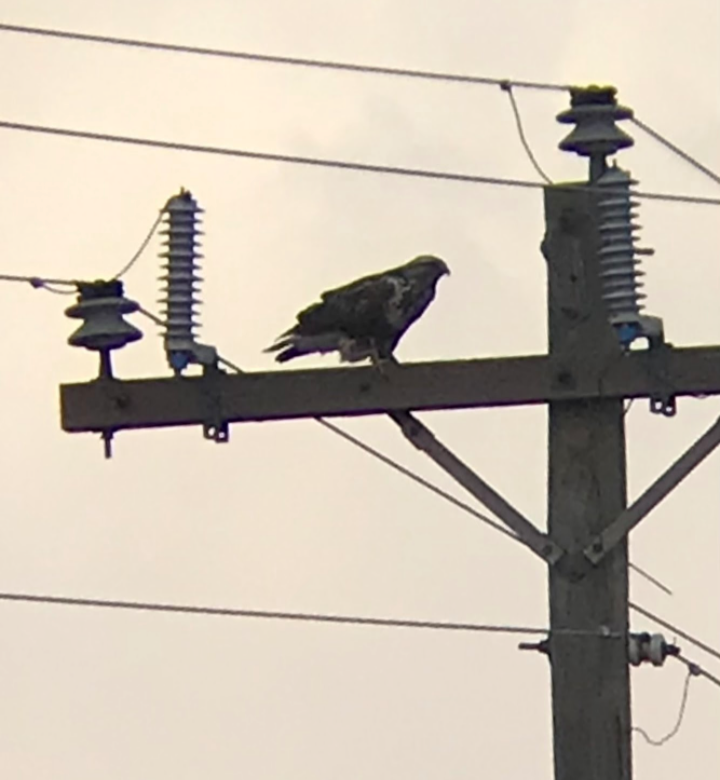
620	274
181	280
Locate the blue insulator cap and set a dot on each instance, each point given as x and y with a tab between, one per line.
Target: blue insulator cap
627	332
179	359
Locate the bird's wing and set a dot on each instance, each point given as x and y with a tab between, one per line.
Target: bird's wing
353	306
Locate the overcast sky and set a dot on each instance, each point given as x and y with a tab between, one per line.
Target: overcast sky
287	516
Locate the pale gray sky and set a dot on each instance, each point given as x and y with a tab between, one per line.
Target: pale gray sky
287	516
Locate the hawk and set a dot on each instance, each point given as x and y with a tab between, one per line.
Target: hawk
366	318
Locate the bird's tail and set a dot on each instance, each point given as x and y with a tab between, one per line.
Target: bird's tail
292	345
286	350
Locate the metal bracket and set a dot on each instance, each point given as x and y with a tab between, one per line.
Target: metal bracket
663	403
215	427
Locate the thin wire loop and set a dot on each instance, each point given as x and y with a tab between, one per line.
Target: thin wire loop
131	262
681	714
507	87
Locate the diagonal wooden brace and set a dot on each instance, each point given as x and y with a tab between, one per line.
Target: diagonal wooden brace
422	438
663	485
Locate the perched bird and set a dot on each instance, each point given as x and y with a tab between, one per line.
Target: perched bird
366	318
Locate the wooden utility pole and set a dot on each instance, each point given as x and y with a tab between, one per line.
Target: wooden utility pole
584	378
586	491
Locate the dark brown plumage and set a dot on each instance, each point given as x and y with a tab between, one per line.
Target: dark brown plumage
366	318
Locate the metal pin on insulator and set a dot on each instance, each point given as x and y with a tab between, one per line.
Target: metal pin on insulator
620	275
182	216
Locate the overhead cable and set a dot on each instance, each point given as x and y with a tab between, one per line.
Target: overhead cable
330	163
307	617
678	631
506	84
697	670
677	150
277	60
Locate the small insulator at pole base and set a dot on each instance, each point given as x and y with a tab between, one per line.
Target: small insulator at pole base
649	648
181	300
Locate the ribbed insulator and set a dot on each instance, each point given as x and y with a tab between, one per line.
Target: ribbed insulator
595	112
620	275
181	280
101	306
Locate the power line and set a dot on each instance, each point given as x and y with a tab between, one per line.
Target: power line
601	599
656	582
307	617
58	290
37	282
131	262
697	670
505	84
416	478
372	451
521	132
273	157
279	60
387	460
707	648
448	496
319	162
683	703
677	150
53	285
